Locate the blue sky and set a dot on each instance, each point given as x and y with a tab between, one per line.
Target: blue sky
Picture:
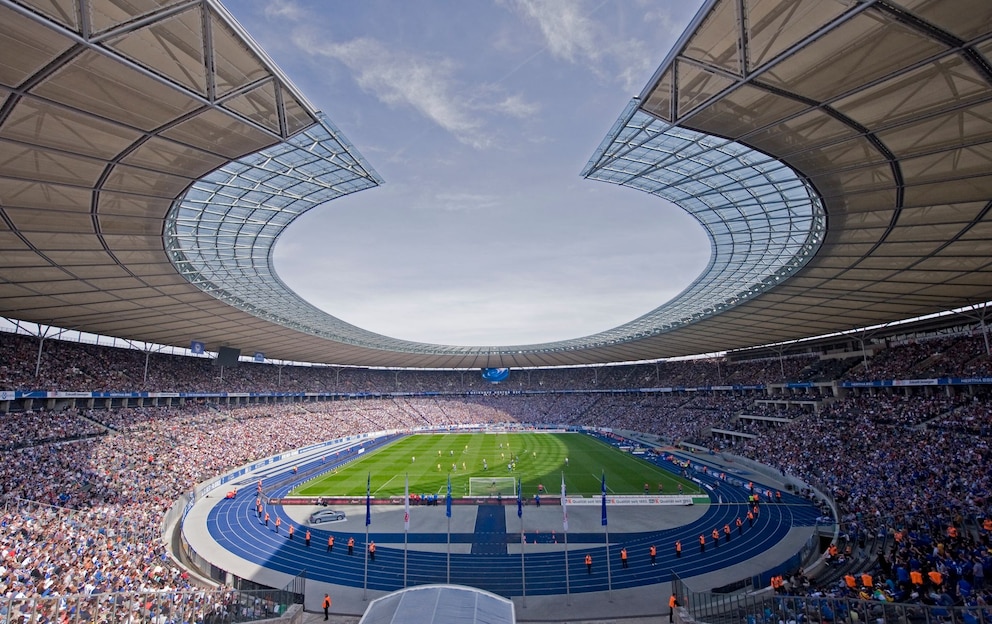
480	116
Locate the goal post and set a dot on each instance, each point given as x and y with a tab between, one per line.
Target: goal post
492	486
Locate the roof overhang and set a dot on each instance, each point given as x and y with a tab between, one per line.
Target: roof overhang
837	153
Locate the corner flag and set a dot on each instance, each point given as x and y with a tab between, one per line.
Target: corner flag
368	501
604	498
447	499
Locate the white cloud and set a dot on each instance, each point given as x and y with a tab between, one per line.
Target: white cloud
490	99
286	9
428	84
583	34
569	34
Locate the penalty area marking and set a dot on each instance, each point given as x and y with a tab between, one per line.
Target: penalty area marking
607	487
385	484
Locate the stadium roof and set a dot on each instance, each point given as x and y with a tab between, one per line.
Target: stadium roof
838	153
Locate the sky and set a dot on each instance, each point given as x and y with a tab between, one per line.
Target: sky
480	116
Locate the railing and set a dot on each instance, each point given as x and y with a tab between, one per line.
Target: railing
768	608
193	607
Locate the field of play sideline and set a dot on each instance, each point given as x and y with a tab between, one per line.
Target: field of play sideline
539	463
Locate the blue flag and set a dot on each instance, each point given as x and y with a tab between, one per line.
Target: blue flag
604	498
368	501
520	500
447	499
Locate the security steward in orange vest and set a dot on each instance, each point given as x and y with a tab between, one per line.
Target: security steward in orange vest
588	564
351	545
916	577
654	553
327	605
672	604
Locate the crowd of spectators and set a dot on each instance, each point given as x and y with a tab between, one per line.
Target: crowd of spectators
32	428
908	463
912	483
909	409
974	418
77	366
961	355
770	409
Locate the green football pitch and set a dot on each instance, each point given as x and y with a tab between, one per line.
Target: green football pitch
537	459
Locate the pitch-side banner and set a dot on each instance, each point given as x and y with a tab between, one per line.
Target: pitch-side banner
631	500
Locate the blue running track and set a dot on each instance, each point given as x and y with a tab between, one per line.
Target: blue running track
490	530
234	525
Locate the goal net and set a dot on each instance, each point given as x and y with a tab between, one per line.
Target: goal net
492	486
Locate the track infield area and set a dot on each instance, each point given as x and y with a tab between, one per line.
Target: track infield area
534	458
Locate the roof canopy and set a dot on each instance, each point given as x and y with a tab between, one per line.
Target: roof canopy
837	152
427	604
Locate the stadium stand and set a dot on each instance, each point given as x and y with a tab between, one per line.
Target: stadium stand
83	499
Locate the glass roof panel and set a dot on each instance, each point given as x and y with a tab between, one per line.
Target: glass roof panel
220	233
729	188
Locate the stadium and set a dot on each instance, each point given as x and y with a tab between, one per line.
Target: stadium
831	462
